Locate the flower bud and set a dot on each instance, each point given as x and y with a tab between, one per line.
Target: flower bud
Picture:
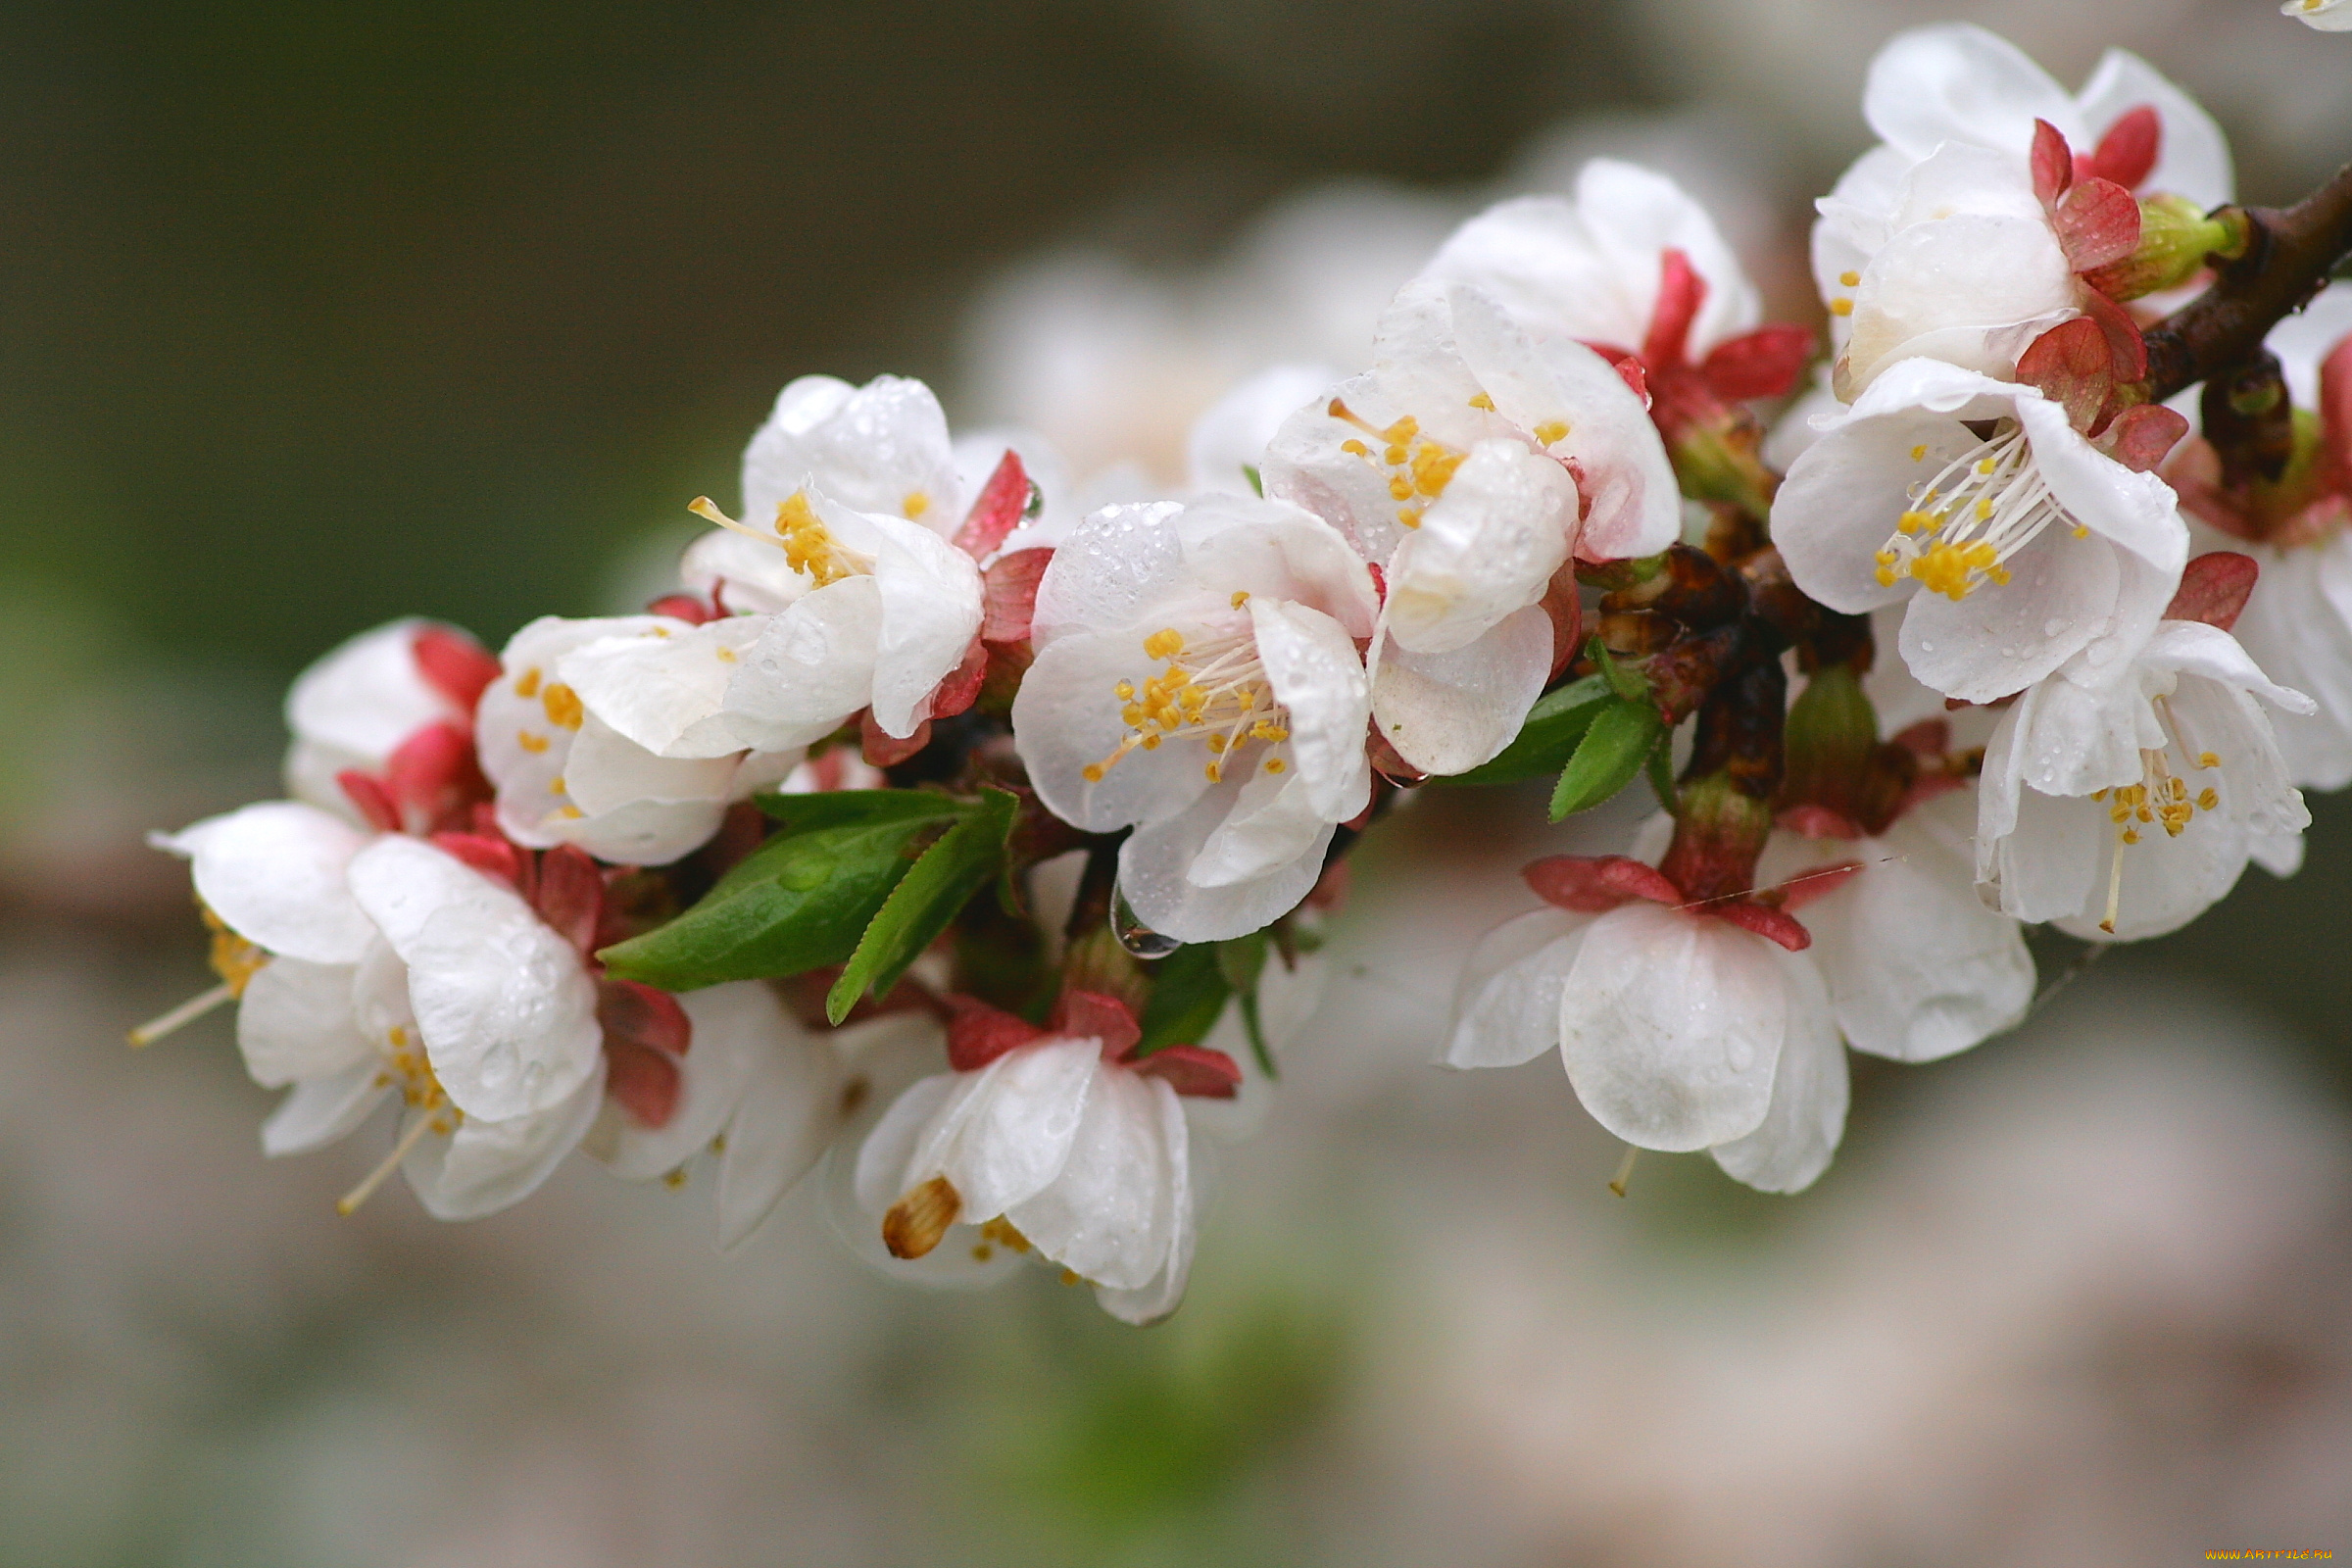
2174	237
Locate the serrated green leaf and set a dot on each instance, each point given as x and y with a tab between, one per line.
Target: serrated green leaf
1188	990
824	808
1620	680
797	902
1660	768
1619	741
1548	738
965	861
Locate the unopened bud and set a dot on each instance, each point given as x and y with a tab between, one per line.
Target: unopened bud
2176	236
917	1221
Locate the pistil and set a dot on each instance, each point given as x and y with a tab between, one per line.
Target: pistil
1964	525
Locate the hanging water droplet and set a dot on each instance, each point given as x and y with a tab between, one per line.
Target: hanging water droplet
1135	936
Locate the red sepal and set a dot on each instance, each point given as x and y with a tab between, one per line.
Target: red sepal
1631	372
2143	435
1930	737
369	798
570	895
882	749
2071	366
1595	884
1193	1070
978	1034
643	1016
958	692
2213	589
1565	605
491	855
998	509
686	607
1767	363
2128	153
1773	925
453	664
2097	224
1008	594
2335	411
643	1082
1681	294
434	778
2127	349
2053	162
1089	1014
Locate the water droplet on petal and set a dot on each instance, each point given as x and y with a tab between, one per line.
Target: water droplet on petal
1742	1052
2052	626
1135	936
1926	647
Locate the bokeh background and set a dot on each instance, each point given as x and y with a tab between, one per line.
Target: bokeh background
312	315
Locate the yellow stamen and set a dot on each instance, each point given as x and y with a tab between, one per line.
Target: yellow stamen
562	704
533	744
1841	307
527	683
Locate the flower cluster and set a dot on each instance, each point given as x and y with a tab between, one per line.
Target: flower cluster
1986	634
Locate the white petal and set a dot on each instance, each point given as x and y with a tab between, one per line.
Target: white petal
1448	713
1671	1024
1005	1131
2137	511
1959	282
787	1117
1273	549
810	668
930	596
886	1158
1506	1008
736	1027
874	448
1066	719
316	1111
1488	547
1229	442
1315	673
295	1021
666	694
1116	563
1110	1215
1273	822
276	874
2193	159
1155	867
1800	1131
486	1165
1955	82
367	696
2002	637
506	1009
1160	1296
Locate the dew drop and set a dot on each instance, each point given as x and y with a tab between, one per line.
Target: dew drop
2052	626
1926	647
1743	1054
1135	936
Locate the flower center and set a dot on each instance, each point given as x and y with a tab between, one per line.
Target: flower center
808	546
1981	508
2161	798
1418	468
426	1102
1214	690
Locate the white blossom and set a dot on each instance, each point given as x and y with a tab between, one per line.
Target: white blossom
2016	550
1234	760
2321	15
1470	464
408	683
2125	802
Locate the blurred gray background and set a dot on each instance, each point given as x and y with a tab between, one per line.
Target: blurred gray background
315	315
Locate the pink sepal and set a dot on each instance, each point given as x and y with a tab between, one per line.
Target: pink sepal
881	749
998	509
1193	1070
978	1034
1008	594
1596	884
961	688
1090	1015
1767	363
2143	435
643	1014
370	798
643	1082
2128	153
2214	588
569	895
453	664
491	855
1681	294
1773	925
1819	822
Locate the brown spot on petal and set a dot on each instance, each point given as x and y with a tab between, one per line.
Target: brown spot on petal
916	1222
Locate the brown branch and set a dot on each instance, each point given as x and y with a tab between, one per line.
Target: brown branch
2290	253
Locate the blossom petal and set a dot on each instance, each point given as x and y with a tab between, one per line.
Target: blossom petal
1272	823
1448	713
1800	1131
316	1111
506	1009
2002	638
810	668
1160	1296
295	1021
276	874
1488	547
2192	158
484	1167
931	610
1066	719
1005	1131
1110	1215
882	447
1228	443
1156	875
787	1116
1671	1025
1116	564
368	695
1506	1006
1955	82
735	1027
1314	672
664	693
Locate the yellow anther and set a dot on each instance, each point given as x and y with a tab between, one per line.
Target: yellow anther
1850	280
1354	447
1217	743
1165	643
726	656
527	683
1550	430
1092	772
1919	452
1433	469
1274	764
1395	455
2209	799
1986	464
914	506
556	786
2208	760
1482	401
1125	690
1403	430
563	705
571	813
1214	773
1409	517
1913	522
1841	307
533	744
1983	509
1400	488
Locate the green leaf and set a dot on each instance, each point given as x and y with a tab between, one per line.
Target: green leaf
1620	680
1548	738
965	861
797	902
823	808
1660	767
1619	740
1188	990
1257	485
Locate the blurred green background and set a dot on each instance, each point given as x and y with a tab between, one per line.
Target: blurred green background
313	313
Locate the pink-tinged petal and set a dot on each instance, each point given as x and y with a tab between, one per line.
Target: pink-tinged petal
1681	293
506	1009
1801	1130
485	1166
453	664
2335	406
1672	1026
370	693
2191	155
276	874
996	510
2213	589
1506	1008
1448	713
